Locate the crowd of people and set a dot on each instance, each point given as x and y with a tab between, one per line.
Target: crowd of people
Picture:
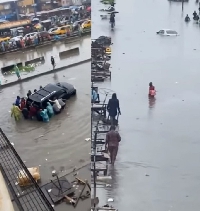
10	44
30	110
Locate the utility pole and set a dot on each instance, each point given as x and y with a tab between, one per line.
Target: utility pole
182	4
34	7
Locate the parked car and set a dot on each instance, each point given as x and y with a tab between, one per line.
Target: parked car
61	90
4	39
18	38
15	39
52	30
31	35
167	32
87	24
76	24
62	30
45	35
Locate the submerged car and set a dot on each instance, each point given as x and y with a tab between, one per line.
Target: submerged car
60	90
167	32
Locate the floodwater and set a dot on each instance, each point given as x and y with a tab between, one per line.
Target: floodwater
47	51
157	165
59	144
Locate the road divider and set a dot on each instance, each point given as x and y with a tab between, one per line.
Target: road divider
69	53
44	73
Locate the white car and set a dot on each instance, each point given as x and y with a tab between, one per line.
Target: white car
31	35
167	32
52	30
18	38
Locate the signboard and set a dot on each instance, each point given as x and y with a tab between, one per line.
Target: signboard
14	24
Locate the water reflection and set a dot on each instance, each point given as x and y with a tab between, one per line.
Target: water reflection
111	192
152	102
21	89
55	77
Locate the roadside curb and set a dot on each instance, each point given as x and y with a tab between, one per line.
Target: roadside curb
44	73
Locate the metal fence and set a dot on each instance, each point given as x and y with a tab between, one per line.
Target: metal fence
27	199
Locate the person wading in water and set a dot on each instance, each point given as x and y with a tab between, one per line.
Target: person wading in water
113	108
112	143
53	62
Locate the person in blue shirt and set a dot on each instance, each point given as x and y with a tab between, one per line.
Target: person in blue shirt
94	95
44	115
18	101
50	111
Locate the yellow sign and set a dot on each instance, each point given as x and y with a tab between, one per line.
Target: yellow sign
14	24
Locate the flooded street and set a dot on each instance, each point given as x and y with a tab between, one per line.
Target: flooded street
156	167
44	53
59	144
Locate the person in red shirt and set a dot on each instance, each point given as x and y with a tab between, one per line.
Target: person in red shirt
112	143
23	104
32	111
152	91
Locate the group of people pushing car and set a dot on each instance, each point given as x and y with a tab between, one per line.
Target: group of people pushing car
30	110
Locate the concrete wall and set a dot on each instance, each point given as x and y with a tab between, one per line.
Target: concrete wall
5	201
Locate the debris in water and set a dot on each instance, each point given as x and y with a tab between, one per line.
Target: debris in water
53	172
76	174
39	136
63	134
146	175
110	200
49	190
88	139
46	159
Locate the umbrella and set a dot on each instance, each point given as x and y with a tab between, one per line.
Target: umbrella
89	9
113	12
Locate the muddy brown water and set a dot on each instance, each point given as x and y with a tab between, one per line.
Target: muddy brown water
157	165
59	144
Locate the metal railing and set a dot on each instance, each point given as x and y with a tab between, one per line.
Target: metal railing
30	198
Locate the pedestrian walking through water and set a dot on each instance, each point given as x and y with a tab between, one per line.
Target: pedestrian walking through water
17	71
112	143
53	62
16	112
113	108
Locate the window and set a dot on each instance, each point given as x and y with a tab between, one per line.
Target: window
161	31
171	32
61	93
